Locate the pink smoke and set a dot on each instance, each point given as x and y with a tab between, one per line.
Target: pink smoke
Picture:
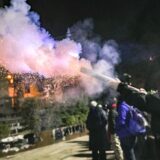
25	47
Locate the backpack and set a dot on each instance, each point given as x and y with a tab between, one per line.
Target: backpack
136	122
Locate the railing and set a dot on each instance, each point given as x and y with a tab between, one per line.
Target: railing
4	119
62	132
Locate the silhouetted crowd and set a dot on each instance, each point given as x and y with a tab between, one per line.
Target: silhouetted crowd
129	125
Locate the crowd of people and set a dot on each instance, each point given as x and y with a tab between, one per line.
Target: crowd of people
110	126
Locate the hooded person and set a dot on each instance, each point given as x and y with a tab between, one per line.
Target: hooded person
96	124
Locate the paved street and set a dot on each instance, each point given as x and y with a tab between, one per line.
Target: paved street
75	149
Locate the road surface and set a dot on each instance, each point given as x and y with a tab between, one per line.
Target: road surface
75	149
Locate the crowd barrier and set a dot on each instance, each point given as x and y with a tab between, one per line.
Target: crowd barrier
62	132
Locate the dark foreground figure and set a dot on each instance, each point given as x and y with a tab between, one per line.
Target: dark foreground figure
96	124
149	102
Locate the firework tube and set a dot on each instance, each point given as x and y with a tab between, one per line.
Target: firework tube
113	83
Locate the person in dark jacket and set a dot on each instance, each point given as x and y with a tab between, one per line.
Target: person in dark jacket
97	125
149	102
113	114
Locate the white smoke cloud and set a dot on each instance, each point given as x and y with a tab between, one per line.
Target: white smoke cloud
103	56
27	47
109	52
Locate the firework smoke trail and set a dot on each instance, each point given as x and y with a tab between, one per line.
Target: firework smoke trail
26	47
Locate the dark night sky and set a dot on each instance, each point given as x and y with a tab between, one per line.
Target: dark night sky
133	20
126	20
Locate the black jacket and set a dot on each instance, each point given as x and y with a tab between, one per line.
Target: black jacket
112	120
97	126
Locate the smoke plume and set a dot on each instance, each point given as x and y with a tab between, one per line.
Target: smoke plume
27	47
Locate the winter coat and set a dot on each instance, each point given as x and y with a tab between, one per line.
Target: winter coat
115	142
121	120
112	120
145	102
97	125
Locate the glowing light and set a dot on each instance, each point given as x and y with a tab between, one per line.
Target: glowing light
150	58
9	77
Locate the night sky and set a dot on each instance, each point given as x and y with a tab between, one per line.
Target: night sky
127	20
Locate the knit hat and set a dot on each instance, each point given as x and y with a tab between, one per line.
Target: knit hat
114	105
94	103
100	106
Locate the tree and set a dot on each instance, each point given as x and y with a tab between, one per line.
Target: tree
70	120
74	114
3	88
29	112
4	130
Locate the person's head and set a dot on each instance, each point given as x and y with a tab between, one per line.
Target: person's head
115	100
105	107
93	103
127	78
100	106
